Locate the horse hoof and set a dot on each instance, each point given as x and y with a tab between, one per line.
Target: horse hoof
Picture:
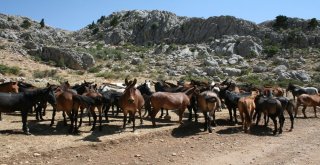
107	121
167	117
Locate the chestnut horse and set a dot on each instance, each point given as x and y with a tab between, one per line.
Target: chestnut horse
208	103
130	102
169	100
307	101
9	87
246	108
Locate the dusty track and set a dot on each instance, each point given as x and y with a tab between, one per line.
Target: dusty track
166	144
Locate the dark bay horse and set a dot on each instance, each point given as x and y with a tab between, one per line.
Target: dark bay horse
272	108
9	87
23	102
130	102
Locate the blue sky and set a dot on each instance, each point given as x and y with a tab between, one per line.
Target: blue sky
75	14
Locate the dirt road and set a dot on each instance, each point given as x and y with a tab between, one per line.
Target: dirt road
166	144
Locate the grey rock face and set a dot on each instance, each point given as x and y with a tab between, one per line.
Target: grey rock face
297	75
136	61
68	57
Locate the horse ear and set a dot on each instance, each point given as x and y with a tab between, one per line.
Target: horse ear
134	82
15	83
126	81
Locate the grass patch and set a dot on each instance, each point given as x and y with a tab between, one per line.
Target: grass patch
9	70
45	73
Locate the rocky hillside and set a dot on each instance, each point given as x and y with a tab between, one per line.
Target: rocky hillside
159	44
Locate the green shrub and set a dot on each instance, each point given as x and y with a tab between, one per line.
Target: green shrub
101	19
155	26
271	50
114	21
95	31
25	24
95	69
92	25
9	70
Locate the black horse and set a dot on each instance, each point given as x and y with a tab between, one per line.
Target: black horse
146	93
24	101
297	90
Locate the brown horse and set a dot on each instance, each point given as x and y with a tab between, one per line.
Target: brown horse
276	91
9	87
307	101
169	100
208	103
97	102
64	97
130	102
246	107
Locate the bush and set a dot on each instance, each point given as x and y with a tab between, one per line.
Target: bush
313	24
25	24
45	73
114	21
95	69
271	50
101	19
42	23
281	22
92	25
154	26
9	70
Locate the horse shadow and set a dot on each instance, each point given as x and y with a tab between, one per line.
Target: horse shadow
96	134
187	129
261	130
230	130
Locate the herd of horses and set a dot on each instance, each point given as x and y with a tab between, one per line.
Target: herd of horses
251	101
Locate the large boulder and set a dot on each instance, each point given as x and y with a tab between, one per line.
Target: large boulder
232	71
70	58
295	74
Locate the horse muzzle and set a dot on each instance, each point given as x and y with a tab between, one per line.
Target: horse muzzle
131	100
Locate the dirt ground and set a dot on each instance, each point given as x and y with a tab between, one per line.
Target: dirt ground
169	143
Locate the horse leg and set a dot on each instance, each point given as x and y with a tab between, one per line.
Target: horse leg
24	115
290	112
133	121
53	115
0	117
81	115
275	125
258	118
315	111
161	115
153	116
304	111
209	120
242	120
205	121
235	115
100	117
106	111
71	117
125	113
94	115
89	115
213	118
75	118
230	114
181	114
139	111
190	113
281	121
64	118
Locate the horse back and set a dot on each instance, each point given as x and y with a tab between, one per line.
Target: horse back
169	100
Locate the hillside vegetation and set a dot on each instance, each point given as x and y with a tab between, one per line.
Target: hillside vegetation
161	45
